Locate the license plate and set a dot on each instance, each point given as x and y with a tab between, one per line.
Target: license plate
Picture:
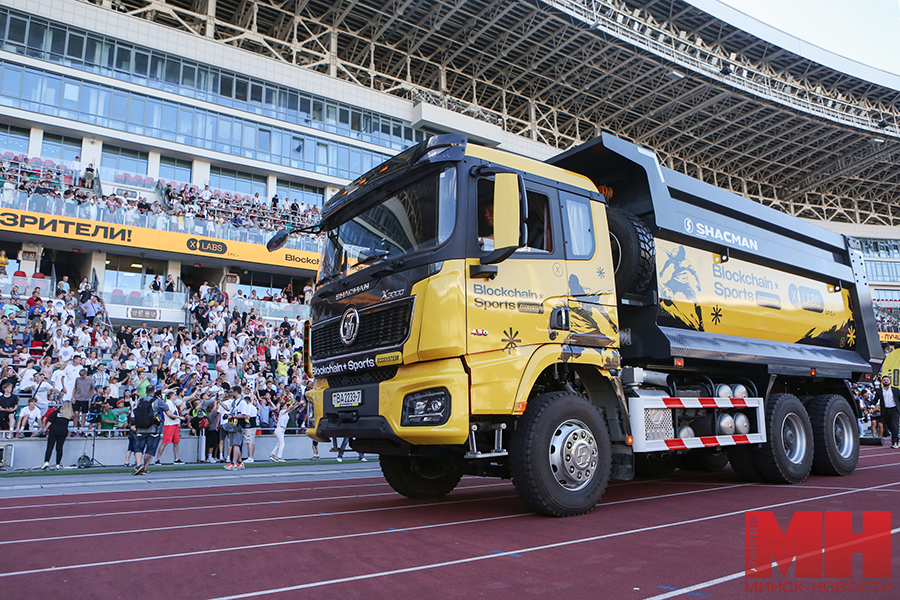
346	399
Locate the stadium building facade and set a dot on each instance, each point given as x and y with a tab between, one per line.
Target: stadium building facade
148	103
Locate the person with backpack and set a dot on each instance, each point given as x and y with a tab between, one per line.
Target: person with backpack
148	429
237	419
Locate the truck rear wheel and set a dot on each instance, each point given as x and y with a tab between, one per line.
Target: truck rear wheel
836	436
633	251
561	455
419	478
788	455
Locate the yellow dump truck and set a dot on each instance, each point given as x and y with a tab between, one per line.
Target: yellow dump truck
568	322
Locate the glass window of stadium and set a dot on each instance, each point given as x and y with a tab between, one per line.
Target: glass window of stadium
13	139
24	34
880	248
130	273
175	169
115	161
291	191
226	180
34	90
60	148
264	284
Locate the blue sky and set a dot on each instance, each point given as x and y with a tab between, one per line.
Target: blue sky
867	31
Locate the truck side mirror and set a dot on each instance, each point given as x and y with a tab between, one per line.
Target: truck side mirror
510	211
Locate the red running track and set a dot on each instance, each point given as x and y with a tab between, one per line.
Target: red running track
681	536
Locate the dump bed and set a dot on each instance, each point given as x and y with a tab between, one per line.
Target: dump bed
735	281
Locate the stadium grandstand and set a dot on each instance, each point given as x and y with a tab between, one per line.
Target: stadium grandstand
150	147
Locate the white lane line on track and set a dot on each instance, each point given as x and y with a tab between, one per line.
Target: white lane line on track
422	567
272	544
154	480
245	521
472	559
718	580
215	524
877	466
216	506
215	495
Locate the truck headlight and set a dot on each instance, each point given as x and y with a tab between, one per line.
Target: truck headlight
428	407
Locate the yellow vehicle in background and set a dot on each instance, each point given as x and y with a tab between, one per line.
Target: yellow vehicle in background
571	322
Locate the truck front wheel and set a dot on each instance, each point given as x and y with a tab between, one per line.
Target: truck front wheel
560	455
419	478
787	456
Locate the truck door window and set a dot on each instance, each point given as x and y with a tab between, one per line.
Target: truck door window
578	225
537	224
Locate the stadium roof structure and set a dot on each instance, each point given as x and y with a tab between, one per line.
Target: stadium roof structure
711	99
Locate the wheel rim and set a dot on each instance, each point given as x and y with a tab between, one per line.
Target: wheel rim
573	455
793	437
843	435
616	251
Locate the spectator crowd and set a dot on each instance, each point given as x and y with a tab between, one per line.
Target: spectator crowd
67	191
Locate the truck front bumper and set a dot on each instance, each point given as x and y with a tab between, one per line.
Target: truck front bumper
379	413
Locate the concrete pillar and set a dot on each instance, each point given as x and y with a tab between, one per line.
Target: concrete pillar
330	191
98	265
272	187
91	151
153	164
173	267
200	173
210	19
35	141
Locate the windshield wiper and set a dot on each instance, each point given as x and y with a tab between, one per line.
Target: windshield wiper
374	257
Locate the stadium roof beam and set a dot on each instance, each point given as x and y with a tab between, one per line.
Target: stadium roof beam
853	162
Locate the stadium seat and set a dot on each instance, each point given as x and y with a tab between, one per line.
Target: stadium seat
135	299
149	182
20	274
49	164
38	275
34	160
8	156
67	180
118	297
19	281
120	178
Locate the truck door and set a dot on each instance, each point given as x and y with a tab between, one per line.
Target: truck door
593	320
508	317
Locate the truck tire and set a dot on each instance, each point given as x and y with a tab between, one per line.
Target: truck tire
707	459
419	478
655	466
788	455
744	463
634	254
835	433
561	455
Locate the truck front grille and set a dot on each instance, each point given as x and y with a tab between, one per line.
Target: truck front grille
380	326
363	378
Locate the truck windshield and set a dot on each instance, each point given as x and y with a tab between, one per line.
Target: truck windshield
418	216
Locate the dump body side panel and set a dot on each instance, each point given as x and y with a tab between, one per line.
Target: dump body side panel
736	281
